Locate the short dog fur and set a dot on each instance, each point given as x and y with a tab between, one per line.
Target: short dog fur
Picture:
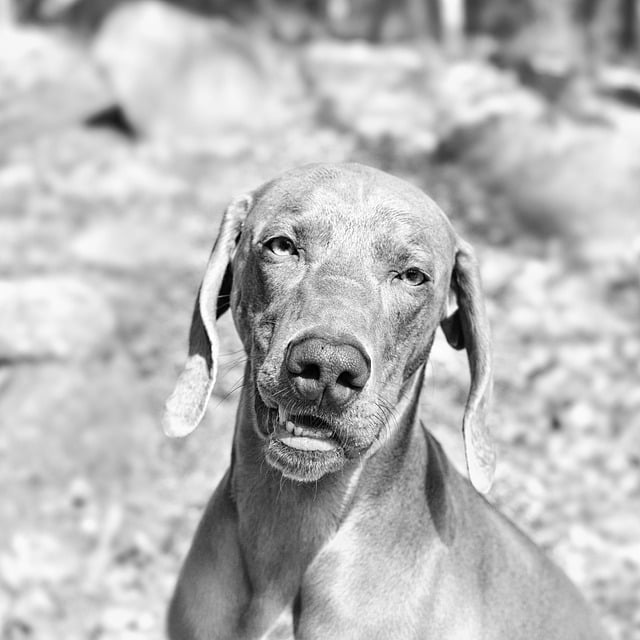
339	507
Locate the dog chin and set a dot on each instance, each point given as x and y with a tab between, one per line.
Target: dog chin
303	465
302	448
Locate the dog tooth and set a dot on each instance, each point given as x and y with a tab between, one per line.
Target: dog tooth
297	431
282	414
290	427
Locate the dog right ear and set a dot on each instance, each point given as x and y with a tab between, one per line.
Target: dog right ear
186	405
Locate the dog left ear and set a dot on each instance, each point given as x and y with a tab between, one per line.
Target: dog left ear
186	405
468	327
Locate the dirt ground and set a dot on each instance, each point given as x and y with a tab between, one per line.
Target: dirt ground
103	240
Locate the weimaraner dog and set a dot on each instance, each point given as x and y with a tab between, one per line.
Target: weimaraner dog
339	507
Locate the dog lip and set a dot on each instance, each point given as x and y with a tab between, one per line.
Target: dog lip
307	443
304	459
304	433
280	415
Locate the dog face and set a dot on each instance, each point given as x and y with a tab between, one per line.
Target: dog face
341	275
340	280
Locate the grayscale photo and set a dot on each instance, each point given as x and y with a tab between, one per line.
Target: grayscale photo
320	319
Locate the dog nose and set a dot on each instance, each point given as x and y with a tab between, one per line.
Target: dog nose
325	370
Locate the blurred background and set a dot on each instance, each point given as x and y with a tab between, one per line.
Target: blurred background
126	127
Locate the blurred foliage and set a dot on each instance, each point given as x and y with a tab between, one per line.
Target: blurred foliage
609	25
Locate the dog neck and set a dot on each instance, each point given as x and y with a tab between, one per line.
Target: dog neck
283	524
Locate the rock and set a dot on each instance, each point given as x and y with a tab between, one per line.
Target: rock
569	177
378	92
622	83
46	83
562	179
471	93
129	245
53	317
185	78
409	97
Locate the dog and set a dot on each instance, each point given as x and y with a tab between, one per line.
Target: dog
339	508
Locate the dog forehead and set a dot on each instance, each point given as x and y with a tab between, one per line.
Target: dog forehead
352	195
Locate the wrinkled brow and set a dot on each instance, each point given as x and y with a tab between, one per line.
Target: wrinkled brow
399	252
398	232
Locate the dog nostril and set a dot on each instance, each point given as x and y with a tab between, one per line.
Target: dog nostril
352	380
310	372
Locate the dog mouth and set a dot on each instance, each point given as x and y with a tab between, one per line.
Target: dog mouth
302	446
303	432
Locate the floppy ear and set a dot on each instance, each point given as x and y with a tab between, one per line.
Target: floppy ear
186	405
467	327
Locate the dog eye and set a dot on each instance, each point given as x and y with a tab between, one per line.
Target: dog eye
281	246
413	277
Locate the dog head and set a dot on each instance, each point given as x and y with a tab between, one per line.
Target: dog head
338	277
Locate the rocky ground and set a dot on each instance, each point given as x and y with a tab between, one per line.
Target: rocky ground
103	239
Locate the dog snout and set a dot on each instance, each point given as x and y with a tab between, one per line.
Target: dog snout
327	371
